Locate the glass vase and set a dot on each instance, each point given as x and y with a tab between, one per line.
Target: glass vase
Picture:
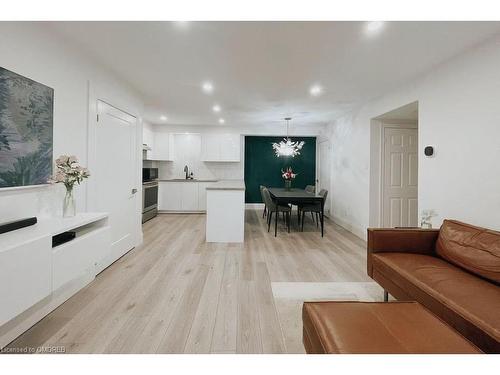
69	204
288	185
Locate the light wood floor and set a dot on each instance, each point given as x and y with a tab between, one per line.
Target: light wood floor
178	294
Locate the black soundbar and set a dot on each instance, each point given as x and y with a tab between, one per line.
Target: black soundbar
17	224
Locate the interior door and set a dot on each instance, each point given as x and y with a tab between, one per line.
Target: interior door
323	182
400	177
115	176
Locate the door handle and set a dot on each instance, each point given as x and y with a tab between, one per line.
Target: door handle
134	191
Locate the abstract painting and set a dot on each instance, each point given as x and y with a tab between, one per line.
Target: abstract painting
26	137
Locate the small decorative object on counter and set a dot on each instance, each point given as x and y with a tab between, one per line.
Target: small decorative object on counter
288	175
69	172
426	219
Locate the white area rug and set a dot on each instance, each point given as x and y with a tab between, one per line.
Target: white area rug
289	297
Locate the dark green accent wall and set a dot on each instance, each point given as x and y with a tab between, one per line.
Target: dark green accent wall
263	167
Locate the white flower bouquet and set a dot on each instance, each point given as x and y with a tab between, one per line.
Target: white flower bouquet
69	172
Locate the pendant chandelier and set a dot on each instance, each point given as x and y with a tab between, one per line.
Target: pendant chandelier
286	147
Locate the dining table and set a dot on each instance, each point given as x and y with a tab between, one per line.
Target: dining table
298	197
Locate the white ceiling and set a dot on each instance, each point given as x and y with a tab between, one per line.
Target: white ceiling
262	71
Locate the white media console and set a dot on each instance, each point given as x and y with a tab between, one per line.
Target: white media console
36	277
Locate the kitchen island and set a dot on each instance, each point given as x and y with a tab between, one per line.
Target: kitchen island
226	211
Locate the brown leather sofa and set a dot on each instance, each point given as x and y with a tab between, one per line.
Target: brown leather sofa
454	272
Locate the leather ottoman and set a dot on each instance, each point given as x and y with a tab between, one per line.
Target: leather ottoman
378	328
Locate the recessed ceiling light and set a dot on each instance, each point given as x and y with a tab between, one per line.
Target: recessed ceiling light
222	121
374	27
163	118
207	87
216	108
316	90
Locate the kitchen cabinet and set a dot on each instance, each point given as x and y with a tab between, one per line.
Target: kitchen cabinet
202	195
210	147
163	146
220	147
230	147
169	195
189	196
148	143
160	145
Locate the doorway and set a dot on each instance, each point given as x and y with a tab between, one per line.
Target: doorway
395	202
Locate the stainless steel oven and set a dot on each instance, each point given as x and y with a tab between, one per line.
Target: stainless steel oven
149	200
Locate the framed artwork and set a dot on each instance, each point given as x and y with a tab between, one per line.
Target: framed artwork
26	130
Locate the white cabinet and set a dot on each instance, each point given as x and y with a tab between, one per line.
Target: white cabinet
202	195
210	148
147	137
230	147
189	196
169	195
183	196
160	145
220	147
36	277
25	277
79	257
163	146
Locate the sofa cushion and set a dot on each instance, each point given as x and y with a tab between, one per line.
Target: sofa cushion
473	248
468	303
377	327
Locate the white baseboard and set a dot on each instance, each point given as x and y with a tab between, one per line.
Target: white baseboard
354	229
254	206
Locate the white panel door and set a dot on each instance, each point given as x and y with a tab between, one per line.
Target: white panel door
115	175
323	180
400	178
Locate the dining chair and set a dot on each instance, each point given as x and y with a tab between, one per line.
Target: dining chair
309	189
262	187
273	207
314	208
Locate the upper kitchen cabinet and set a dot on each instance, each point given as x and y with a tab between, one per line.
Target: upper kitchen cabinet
147	143
220	147
157	145
164	146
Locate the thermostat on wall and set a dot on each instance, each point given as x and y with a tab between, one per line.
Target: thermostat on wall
429	151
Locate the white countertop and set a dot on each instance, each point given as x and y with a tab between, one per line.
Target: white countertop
47	227
228	185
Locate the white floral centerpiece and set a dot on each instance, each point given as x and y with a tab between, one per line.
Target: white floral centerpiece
426	218
69	172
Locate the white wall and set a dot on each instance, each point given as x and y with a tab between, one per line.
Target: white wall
210	170
34	51
459	114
